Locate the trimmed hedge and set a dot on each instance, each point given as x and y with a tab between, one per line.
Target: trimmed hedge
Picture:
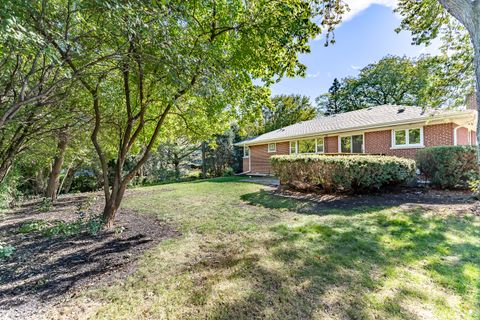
342	173
448	166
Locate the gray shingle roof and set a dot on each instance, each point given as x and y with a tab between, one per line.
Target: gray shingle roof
378	116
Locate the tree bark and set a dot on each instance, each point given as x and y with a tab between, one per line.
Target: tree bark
468	14
53	178
69	180
5	169
476	46
204	165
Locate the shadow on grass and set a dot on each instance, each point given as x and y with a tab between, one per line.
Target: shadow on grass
358	268
44	269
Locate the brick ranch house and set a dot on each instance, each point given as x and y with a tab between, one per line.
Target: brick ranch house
385	130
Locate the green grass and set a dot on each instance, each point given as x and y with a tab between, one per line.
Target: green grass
247	254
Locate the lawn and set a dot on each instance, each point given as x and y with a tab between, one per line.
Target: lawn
244	253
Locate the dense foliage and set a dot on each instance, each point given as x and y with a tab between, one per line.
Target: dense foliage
427	81
448	166
277	112
458	23
136	74
342	173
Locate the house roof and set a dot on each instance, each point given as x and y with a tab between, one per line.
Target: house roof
372	117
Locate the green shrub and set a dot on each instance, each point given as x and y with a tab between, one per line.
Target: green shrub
91	224
6	251
46	205
342	173
9	194
33	226
228	172
448	166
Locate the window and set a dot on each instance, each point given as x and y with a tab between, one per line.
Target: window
400	137
414	136
272	147
345	144
293	147
351	144
246	152
306	146
320	145
407	138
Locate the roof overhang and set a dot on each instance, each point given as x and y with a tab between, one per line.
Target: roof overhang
460	118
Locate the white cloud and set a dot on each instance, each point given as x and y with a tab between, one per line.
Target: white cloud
354	67
357	6
313	75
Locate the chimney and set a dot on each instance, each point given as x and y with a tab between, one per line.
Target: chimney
471	101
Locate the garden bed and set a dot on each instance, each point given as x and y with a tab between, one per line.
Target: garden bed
45	270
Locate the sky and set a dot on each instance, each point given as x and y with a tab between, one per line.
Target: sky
366	34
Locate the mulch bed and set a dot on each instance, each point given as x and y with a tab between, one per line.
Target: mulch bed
44	271
460	201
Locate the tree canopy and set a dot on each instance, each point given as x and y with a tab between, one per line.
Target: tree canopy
427	81
452	20
143	67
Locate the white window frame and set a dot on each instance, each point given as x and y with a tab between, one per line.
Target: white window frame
316	145
351	144
407	144
245	148
294	143
274	147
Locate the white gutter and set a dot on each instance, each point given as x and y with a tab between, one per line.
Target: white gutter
457	115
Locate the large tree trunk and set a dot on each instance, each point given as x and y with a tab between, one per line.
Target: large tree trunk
53	178
468	14
476	47
5	169
113	203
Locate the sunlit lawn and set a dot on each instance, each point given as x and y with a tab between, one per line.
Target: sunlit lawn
246	254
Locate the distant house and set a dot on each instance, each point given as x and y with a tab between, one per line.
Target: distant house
386	130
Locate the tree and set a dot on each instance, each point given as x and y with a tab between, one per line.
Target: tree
53	178
278	112
427	81
32	75
427	19
331	103
286	110
177	152
142	62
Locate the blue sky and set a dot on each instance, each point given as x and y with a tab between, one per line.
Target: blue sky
366	35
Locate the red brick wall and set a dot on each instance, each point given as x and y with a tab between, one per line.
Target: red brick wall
474	138
260	160
331	144
439	135
462	136
379	142
246	165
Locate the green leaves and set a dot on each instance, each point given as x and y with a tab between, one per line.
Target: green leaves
342	173
428	81
448	166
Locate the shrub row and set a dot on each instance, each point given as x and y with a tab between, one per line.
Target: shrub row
448	166
342	173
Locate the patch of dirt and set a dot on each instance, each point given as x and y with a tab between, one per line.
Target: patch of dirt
460	201
44	271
